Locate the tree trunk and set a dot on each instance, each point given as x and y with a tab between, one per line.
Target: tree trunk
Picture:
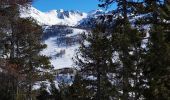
125	73
98	83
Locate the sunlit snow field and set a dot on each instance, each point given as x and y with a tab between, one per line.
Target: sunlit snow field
70	51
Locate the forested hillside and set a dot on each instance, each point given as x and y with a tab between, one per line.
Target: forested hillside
120	54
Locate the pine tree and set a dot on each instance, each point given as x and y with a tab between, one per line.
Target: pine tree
31	64
55	93
157	61
152	60
20	49
78	90
94	61
8	13
127	43
43	94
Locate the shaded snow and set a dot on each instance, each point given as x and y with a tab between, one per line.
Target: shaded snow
75	32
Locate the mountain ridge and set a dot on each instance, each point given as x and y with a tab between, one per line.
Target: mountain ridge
62	32
58	17
53	17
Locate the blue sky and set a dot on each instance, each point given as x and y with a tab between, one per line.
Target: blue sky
81	5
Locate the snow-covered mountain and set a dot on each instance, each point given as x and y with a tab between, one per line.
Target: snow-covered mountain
53	17
62	32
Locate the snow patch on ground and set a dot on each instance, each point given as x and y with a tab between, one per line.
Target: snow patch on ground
75	32
65	60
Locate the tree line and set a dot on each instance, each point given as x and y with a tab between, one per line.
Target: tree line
125	57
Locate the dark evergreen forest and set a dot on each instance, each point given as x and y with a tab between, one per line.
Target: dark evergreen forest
127	56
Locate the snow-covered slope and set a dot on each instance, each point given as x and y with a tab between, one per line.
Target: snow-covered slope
62	40
62	43
53	17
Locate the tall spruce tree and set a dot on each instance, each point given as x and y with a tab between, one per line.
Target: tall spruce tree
94	61
127	43
8	72
155	60
156	67
78	91
32	65
20	50
55	92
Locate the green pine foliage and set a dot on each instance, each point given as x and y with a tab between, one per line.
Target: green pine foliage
20	47
94	61
43	93
116	60
157	59
146	67
55	93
